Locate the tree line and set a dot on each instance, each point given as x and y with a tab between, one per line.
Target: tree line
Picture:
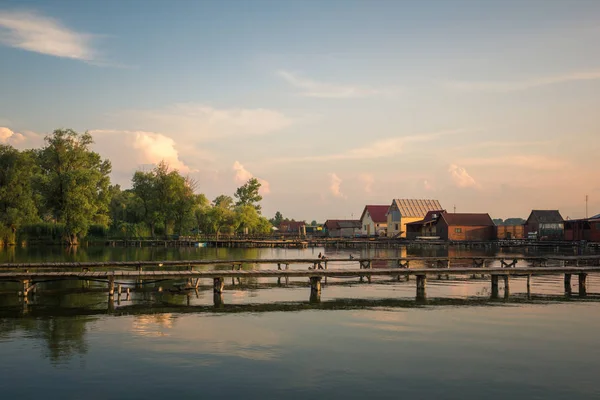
63	190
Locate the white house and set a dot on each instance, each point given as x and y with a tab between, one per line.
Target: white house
373	220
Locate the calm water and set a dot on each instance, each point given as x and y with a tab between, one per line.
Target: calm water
268	341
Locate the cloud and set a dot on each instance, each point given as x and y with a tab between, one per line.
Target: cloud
461	177
311	88
334	186
242	175
199	122
377	149
7	136
513	86
532	161
40	34
367	180
20	140
131	150
428	186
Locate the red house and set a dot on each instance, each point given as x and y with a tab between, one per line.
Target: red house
583	229
453	226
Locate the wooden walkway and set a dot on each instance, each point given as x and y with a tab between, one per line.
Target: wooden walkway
318	270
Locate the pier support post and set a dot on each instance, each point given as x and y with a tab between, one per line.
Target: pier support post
111	286
421	286
26	286
218	300
528	285
315	289
219	285
494	286
582	281
568	284
506	286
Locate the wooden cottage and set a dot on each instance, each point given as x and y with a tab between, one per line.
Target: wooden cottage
453	226
545	225
374	220
341	227
583	229
404	211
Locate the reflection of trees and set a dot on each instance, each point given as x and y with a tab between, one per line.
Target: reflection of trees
64	336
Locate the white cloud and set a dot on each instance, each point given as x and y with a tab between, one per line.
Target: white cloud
335	185
198	122
242	175
461	177
20	140
428	186
377	149
310	88
130	150
367	180
513	86
40	34
7	136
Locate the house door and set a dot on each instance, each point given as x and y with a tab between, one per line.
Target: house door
369	230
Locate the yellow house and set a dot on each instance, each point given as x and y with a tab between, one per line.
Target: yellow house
403	211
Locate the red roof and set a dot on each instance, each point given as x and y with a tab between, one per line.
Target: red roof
342	223
468	219
377	213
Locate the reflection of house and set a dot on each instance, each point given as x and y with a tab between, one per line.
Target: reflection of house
545	224
374	220
583	229
453	226
403	211
510	232
297	227
341	227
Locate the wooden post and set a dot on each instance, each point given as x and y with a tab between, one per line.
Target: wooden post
506	286
315	289
25	285
218	300
219	285
582	281
111	285
494	286
421	286
528	285
567	283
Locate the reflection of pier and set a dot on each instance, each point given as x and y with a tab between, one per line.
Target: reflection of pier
318	269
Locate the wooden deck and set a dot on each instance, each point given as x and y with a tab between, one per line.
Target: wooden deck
29	275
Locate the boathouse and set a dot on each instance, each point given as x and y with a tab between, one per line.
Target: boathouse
510	232
293	227
583	229
374	220
404	211
439	224
545	225
341	227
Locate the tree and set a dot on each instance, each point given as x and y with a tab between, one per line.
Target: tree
74	182
17	199
314	223
223	201
277	220
144	188
247	194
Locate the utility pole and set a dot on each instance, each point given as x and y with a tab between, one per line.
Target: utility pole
455	209
586	206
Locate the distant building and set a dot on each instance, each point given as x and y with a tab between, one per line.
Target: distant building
374	220
341	227
510	232
453	226
583	229
295	227
545	225
403	211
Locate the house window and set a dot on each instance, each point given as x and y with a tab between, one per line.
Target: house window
365	228
378	225
396	226
457	230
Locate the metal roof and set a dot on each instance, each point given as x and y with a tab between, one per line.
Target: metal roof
464	219
416	208
545	216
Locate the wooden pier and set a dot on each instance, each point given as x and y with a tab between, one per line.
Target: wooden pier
29	275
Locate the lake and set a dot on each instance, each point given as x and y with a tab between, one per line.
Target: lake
268	341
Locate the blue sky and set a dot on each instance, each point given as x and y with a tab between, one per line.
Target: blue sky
491	106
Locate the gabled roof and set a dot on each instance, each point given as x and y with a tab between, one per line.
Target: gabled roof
378	213
416	208
545	216
464	219
431	216
342	223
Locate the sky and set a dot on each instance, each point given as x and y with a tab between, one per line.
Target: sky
487	106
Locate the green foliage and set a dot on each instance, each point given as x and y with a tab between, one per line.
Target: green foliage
223	201
17	199
248	194
314	223
74	182
277	219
